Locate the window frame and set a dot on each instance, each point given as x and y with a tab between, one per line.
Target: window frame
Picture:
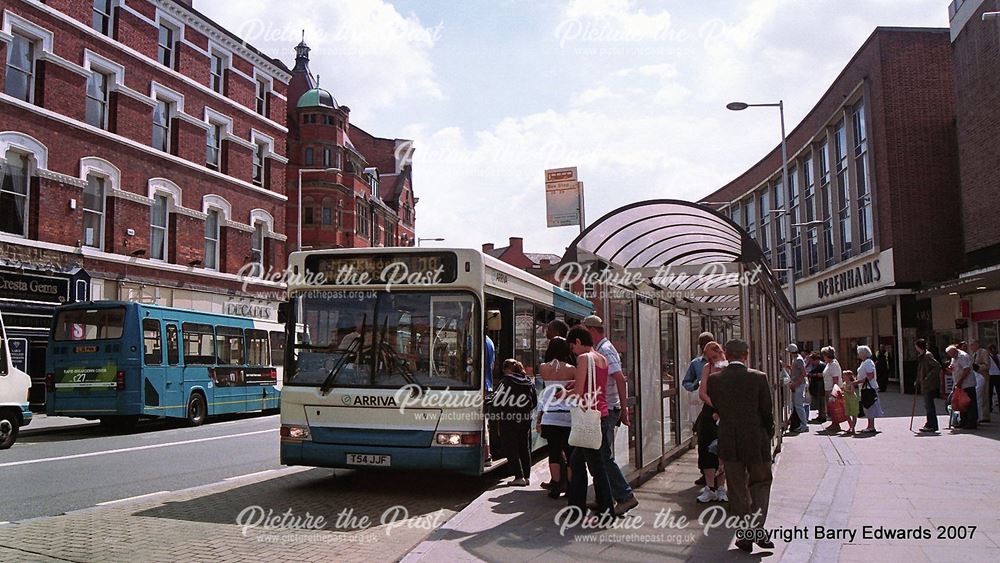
217	80
28	169
165	247
108	17
257	254
170	50
167	130
31	73
102	103
215	255
102	214
200	329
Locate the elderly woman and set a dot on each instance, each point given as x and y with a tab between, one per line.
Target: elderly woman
866	381
832	375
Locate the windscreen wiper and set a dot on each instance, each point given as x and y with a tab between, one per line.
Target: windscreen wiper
353	349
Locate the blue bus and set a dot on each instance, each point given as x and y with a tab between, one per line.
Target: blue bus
119	361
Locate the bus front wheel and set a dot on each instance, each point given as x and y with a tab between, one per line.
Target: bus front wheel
196	410
9	428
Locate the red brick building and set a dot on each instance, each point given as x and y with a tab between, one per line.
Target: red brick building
142	150
873	187
541	264
357	189
968	305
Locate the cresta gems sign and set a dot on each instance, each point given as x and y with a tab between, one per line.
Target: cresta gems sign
856	277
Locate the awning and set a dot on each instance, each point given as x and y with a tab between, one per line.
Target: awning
680	248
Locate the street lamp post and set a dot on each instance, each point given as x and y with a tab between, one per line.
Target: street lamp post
739	106
298	234
436	239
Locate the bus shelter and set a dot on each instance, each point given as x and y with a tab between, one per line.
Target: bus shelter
660	272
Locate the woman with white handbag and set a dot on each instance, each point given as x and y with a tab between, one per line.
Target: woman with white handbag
589	420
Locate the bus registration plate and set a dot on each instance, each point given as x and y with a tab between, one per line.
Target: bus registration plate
378	460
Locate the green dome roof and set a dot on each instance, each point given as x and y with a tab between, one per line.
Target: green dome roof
317	97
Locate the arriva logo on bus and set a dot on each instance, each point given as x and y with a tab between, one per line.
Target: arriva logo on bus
368	401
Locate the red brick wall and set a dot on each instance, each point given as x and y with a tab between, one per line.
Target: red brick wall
977	82
189	141
135	32
143	7
130	118
192	63
914	145
79	10
240	90
60	90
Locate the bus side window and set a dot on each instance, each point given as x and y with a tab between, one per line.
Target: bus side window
152	344
257	347
173	349
230	345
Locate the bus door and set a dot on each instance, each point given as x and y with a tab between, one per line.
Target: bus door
174	371
154	391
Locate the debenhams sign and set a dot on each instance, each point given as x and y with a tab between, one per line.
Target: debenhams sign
854	278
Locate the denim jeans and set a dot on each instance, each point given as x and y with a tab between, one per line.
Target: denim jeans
620	489
585	459
931	409
800	404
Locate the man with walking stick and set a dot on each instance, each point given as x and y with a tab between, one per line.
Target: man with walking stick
928	384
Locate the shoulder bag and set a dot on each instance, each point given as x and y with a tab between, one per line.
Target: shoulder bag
868	395
585	418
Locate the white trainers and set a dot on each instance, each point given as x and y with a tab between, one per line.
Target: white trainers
721	496
708	495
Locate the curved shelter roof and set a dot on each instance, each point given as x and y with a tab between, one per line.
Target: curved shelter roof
679	247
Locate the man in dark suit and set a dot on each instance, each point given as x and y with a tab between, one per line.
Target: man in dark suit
742	397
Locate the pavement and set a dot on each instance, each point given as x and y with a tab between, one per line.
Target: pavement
42	423
938	486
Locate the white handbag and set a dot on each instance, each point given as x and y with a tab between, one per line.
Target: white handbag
585	419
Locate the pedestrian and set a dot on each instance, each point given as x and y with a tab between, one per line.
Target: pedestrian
831	376
493	440
994	384
882	367
965	382
867	384
514	399
708	430
617	395
928	383
746	426
692	380
817	393
851	405
553	417
798	384
557	328
586	459
981	365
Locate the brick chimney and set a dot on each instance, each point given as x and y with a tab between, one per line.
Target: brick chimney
487	247
516	245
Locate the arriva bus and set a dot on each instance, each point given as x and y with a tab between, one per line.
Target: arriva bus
14	386
393	374
119	361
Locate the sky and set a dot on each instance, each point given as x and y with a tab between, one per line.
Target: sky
631	92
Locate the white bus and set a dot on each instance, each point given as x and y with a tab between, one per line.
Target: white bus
14	386
393	373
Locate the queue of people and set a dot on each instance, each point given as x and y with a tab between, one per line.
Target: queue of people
582	369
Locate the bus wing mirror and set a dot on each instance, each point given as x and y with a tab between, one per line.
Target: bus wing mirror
494	321
284	308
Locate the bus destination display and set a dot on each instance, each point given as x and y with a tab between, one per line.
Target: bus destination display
375	269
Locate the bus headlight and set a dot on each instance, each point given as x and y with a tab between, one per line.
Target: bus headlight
293	432
457	439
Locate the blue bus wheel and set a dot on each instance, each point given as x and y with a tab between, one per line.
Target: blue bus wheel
196	409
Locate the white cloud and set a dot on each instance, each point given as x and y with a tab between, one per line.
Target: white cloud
368	54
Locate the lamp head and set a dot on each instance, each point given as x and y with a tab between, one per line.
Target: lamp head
737	106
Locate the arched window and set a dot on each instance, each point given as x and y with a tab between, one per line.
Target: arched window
14	193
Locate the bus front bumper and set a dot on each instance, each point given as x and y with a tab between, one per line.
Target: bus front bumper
466	459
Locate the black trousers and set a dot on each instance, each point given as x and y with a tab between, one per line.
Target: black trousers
560	452
931	409
516	438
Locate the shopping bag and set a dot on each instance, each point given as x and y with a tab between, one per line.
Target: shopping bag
960	400
585	418
836	411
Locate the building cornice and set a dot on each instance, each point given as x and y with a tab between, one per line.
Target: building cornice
4	98
157	66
